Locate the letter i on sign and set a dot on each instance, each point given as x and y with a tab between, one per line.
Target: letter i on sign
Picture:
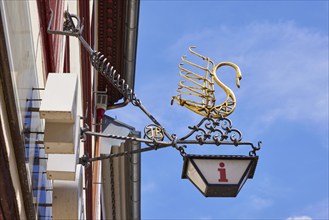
222	173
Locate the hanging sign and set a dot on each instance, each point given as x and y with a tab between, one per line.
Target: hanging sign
219	176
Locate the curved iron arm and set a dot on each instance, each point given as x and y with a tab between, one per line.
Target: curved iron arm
100	63
208	131
85	160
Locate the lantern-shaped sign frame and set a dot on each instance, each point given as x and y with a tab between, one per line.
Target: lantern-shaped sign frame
219	175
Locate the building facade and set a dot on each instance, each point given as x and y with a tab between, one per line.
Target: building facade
35	181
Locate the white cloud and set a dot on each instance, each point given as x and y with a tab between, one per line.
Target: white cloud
300	218
148	187
319	210
259	203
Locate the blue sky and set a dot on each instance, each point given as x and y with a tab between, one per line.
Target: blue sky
281	48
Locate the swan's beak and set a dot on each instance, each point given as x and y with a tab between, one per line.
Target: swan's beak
238	81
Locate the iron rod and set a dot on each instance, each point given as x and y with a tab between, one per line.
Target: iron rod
33	100
32	109
159	144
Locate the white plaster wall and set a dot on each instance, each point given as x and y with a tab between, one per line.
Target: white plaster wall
36	36
24	45
75	64
21	51
15	16
11	156
24	52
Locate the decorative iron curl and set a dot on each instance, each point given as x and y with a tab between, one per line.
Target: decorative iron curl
216	129
255	148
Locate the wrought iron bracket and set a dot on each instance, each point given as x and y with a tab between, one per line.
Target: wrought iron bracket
209	131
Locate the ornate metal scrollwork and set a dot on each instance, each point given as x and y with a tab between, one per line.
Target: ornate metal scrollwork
214	129
218	130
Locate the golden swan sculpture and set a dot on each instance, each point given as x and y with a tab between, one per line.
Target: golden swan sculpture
200	89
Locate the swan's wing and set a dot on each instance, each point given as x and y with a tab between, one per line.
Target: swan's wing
197	86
